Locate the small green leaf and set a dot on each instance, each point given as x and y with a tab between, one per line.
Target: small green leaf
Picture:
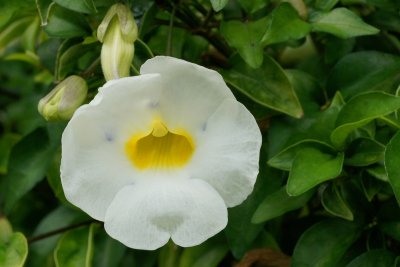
65	23
209	253
83	6
246	38
374	258
392	229
370	185
278	203
311	167
284	159
284	24
218	4
341	22
359	111
392	164
13	246
325	243
268	85
75	248
364	152
334	203
378	171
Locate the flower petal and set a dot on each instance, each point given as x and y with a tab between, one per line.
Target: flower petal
147	214
192	93
94	165
228	152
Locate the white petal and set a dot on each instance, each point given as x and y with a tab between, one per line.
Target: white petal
192	93
227	152
145	215
94	165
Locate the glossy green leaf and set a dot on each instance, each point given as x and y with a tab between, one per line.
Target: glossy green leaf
342	23
359	111
311	167
209	253
392	164
370	71
364	152
75	248
374	258
371	186
28	164
61	25
284	24
13	246
268	85
333	202
378	171
325	243
218	4
278	203
246	38
284	159
83	6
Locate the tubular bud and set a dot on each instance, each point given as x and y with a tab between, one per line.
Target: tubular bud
64	99
118	32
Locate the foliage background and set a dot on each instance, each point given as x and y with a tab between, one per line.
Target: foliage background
320	76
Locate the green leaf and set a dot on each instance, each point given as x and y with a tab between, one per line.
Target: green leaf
378	171
311	167
75	248
370	71
218	4
325	5
392	164
359	111
392	229
7	141
325	243
246	38
333	202
54	178
268	85
83	6
169	255
371	186
374	258
364	152
342	23
284	159
13	31
254	5
65	23
209	253
13	246
284	24
278	203
29	161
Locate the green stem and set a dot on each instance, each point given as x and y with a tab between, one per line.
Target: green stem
146	47
168	51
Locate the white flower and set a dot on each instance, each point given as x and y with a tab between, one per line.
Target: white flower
161	155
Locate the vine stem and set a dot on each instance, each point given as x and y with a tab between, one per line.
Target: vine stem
59	231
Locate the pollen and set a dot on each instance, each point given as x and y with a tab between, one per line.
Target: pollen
161	149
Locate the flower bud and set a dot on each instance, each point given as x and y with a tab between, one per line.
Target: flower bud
118	31
64	99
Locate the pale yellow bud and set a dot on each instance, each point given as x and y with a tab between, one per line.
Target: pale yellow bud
64	99
118	32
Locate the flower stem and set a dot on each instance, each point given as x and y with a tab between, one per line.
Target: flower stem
59	231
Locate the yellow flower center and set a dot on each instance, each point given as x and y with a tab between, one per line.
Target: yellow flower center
161	149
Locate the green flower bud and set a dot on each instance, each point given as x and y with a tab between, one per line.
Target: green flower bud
118	32
64	99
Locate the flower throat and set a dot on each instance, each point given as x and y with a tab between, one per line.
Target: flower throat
161	149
